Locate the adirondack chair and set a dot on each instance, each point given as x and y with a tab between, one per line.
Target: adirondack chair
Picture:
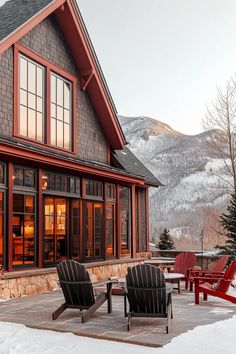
219	288
79	291
183	262
217	270
148	294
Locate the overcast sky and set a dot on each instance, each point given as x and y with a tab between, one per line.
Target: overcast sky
164	58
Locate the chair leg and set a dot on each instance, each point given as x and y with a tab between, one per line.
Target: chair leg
129	321
178	286
204	296
125	305
191	286
88	313
169	314
59	311
186	284
196	289
109	298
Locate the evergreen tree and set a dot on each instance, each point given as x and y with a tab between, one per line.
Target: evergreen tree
166	241
228	222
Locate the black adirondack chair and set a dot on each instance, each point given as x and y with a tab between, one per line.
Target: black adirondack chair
79	291
148	294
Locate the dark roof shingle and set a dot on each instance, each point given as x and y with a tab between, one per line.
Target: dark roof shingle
14	13
127	160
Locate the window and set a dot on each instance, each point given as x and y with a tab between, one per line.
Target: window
94	189
125	220
23	229
24	177
53	182
110	229
111	191
94	229
55	229
31	99
76	219
61	112
2	173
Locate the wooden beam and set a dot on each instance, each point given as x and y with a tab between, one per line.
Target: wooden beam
40	219
10	216
133	223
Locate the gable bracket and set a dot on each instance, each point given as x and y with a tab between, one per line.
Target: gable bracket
86	77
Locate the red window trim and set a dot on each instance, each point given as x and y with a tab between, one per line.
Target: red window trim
49	67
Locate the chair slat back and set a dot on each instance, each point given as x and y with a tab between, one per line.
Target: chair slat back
146	290
224	284
221	263
75	283
183	261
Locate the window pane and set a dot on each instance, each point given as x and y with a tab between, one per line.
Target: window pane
23	120
53	131
29	180
67	88
18	176
39	104
53	110
66	136
31	101
2	173
59	92
31	77
23	97
39	82
59	113
66	116
31	123
23	73
18	203
1	202
59	134
29	204
39	127
53	89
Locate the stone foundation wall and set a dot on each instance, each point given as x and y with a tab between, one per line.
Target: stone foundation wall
39	281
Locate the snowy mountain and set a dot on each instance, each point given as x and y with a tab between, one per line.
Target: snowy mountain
193	194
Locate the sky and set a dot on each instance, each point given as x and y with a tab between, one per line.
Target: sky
164	58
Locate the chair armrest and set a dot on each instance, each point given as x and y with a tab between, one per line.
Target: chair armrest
205	279
101	283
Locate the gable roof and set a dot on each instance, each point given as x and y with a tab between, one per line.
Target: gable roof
17	17
129	162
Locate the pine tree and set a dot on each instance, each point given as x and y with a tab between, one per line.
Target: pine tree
166	241
228	222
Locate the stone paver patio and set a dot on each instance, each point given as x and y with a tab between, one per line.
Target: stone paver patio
35	311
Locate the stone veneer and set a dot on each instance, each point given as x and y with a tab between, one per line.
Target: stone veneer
38	281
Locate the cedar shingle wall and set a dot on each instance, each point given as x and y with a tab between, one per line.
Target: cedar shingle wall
6	93
47	41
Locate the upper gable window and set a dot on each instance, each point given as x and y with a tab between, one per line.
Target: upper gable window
31	99
61	112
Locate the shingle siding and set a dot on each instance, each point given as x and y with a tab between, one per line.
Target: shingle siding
6	93
47	40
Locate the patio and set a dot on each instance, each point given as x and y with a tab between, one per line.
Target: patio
35	312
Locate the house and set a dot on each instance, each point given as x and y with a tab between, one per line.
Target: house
69	186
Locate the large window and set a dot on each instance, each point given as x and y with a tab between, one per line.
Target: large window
75	233
31	99
24	177
61	112
55	229
110	229
94	229
125	220
94	189
23	229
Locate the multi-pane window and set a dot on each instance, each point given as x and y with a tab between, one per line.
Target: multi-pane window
1	228
24	177
94	189
60	183
23	228
2	173
111	191
61	112
31	99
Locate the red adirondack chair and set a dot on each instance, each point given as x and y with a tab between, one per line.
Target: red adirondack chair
217	270
219	288
183	262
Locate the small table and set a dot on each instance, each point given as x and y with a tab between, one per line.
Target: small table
160	262
174	278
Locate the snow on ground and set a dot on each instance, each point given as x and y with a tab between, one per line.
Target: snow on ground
216	338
